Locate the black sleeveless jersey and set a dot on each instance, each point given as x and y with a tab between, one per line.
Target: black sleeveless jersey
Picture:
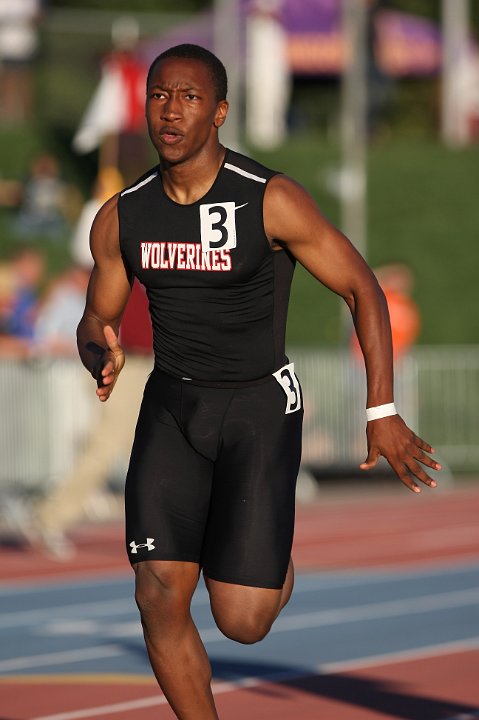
218	293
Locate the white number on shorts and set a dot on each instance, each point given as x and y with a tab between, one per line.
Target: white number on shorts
289	382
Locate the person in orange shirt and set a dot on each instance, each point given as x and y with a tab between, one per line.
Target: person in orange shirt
396	281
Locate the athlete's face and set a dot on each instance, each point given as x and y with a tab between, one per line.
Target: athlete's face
181	109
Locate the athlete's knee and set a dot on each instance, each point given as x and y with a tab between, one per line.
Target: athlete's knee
244	627
163	588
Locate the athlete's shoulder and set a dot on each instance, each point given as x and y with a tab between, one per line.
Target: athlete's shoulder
107	214
247	168
104	235
141	183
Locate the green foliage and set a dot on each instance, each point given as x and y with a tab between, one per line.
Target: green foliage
421	211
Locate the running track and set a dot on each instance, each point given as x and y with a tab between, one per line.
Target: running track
384	622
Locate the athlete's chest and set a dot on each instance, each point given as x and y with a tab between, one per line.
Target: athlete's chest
213	243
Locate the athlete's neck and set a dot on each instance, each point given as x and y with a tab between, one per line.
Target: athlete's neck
188	181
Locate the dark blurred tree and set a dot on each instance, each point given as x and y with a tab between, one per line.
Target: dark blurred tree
128	6
426	8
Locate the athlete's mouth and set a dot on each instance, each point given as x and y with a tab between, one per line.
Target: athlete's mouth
169	135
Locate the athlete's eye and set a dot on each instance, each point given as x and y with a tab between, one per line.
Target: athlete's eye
157	95
192	96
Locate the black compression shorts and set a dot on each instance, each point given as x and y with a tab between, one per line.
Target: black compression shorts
212	477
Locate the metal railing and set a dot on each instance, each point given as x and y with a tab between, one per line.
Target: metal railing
45	410
436	391
47	405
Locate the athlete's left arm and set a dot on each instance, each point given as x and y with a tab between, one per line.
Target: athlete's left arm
293	220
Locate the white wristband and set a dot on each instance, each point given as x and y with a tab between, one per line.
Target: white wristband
380	411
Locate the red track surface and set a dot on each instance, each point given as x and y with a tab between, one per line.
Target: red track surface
396	528
341	531
420	689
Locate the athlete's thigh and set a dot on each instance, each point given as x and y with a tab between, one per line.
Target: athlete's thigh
168	486
251	520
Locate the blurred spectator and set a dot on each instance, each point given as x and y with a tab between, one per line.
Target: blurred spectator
111	427
20	282
268	78
52	337
108	182
114	119
43	201
7	289
397	282
18	47
59	314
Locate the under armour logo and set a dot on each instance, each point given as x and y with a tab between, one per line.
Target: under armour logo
149	545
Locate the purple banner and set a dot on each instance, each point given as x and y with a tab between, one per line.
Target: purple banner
303	16
407	45
404	44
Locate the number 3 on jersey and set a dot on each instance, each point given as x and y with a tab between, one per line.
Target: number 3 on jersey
218	226
290	384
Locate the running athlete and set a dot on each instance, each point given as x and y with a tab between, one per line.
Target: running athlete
214	236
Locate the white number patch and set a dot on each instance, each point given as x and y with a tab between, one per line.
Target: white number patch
290	384
218	226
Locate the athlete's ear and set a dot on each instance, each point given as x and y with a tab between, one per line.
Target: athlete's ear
221	113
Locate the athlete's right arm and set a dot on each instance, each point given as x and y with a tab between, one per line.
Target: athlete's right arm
107	295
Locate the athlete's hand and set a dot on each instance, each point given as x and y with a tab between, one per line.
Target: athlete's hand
405	452
111	365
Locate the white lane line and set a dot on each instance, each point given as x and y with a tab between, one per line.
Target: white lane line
370	611
100	608
391	658
303	621
388	608
218	688
285	623
60	658
117	606
282	676
107	709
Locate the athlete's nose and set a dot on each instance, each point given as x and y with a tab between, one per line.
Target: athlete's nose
171	109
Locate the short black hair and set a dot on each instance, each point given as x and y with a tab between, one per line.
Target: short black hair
196	52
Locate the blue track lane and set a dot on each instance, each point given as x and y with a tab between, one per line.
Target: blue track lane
93	627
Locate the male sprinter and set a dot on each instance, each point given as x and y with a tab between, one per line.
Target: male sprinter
214	237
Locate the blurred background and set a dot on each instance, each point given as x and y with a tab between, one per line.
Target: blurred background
373	106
